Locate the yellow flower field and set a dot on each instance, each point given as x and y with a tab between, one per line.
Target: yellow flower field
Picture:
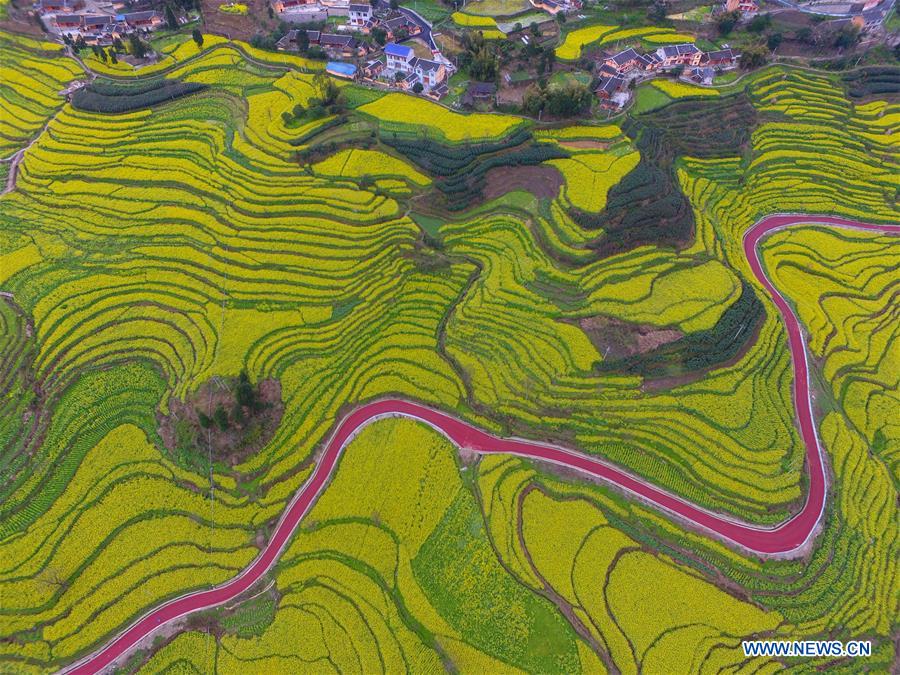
439	121
677	89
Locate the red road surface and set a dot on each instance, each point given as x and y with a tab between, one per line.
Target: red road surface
783	538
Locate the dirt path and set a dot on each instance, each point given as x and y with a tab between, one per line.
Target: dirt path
791	537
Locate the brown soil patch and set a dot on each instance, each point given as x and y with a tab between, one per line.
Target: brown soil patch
619	339
18	21
542	181
236	26
511	94
213	422
594	145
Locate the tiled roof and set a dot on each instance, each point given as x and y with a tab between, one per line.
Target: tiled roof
625	56
425	64
334	40
609	85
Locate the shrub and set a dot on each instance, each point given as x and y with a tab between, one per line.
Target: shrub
105	96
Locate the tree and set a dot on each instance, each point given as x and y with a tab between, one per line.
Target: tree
847	36
220	416
535	30
805	35
302	38
112	57
394	4
568	100
379	35
550	58
533	100
657	12
205	420
171	19
326	89
299	110
727	21
517	28
246	394
198	37
478	57
753	57
118	46
287	118
759	23
138	48
102	55
774	41
417	88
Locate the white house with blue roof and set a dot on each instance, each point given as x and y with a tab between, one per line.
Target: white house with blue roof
399	57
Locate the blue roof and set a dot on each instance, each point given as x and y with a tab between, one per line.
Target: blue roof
341	69
402	51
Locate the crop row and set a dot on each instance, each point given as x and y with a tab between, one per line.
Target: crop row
33	74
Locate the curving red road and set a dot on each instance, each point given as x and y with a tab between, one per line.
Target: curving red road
784	538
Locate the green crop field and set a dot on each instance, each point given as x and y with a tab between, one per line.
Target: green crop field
167	232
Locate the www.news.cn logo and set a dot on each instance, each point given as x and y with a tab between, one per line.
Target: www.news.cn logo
807	648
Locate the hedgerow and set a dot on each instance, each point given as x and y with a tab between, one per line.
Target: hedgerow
111	97
873	81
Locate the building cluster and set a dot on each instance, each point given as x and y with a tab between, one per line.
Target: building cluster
362	20
75	19
403	69
556	6
617	70
746	7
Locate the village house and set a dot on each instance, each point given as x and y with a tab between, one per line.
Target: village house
398	57
95	22
625	61
372	70
430	73
341	46
720	58
58	6
686	54
872	19
556	6
361	16
68	22
609	87
742	6
399	27
406	69
479	92
282	5
700	75
143	20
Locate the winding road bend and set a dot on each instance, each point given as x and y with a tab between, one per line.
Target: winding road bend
781	539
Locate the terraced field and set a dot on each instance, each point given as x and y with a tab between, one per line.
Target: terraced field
355	256
33	74
577	40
